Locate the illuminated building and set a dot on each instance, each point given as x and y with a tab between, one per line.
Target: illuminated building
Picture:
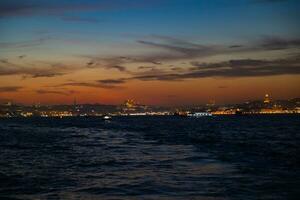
211	103
129	103
131	107
267	99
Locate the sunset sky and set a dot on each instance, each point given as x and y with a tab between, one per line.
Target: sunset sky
161	52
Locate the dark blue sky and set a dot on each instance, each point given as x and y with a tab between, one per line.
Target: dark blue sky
213	21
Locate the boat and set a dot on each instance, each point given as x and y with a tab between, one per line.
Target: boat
199	114
106	117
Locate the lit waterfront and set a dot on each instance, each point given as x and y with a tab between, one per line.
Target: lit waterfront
131	108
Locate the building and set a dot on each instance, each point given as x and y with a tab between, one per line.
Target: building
267	99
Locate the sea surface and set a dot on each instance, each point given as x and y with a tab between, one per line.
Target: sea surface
166	157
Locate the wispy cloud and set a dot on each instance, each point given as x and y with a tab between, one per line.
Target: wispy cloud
114	63
111	81
174	50
104	84
231	69
11	8
278	43
43	73
118	67
10	89
181	49
41	91
177	50
171	49
90	64
146	67
21	56
28	71
24	44
4	61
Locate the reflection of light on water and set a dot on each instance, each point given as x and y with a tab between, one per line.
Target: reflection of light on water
107	121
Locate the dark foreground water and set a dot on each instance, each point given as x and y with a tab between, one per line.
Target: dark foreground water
236	157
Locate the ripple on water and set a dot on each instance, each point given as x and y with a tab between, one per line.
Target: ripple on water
149	158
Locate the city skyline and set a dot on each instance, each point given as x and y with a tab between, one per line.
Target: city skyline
267	98
156	52
265	106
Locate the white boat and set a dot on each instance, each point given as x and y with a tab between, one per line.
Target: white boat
106	117
199	114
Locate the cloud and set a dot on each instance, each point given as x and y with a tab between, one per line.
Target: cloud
12	8
97	84
156	63
90	64
24	44
47	74
107	63
48	70
21	56
111	81
41	91
29	72
177	50
183	52
278	43
10	89
176	69
5	61
227	69
118	67
168	49
146	67
181	49
159	77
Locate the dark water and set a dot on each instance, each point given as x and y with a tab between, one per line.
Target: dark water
237	157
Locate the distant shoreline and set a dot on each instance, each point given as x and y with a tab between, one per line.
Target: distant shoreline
137	116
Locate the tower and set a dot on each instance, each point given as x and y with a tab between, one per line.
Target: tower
75	103
267	99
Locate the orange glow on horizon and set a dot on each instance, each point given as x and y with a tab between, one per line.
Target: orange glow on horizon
194	91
